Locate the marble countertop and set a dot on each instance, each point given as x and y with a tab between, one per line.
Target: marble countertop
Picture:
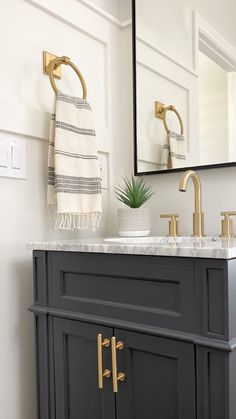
207	247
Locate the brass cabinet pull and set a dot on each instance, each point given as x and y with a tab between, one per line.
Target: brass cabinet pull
101	373
116	376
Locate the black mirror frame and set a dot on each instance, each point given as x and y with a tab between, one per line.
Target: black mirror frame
155	172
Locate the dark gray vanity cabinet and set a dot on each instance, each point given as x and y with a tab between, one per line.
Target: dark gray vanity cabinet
175	317
157	370
160	378
76	382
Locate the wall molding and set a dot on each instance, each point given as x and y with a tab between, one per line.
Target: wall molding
165	55
43	5
212	43
208	38
108	16
162	75
53	9
34	123
27	121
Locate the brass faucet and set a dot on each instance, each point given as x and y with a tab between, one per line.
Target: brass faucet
198	216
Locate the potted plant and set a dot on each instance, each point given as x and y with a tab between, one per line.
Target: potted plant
134	221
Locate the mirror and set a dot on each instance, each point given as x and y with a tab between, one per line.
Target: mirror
184	60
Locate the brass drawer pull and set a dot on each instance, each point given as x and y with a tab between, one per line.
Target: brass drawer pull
101	373
116	376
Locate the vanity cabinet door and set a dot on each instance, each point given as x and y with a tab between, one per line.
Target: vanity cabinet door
160	378
76	371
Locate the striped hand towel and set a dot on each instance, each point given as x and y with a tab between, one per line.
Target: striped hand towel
173	151
74	184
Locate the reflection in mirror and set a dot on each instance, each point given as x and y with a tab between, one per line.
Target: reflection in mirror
185	84
213	123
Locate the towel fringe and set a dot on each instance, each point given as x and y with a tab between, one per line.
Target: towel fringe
74	221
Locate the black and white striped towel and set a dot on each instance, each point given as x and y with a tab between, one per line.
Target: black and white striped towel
173	151
74	184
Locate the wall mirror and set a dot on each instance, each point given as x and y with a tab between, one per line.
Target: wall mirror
184	60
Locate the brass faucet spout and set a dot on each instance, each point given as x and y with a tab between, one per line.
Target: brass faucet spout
198	216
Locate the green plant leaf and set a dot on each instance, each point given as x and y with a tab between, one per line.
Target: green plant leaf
133	193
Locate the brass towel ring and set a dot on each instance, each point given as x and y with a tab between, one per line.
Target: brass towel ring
65	60
172	108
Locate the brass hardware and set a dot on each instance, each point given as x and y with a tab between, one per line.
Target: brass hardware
101	373
116	377
120	345
121	376
161	111
47	58
107	373
159	107
173	224
198	216
106	343
227	224
55	64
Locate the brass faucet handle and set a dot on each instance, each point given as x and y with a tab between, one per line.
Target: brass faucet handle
173	224
169	215
227	224
225	213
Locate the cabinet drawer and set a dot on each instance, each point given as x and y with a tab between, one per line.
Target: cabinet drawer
151	290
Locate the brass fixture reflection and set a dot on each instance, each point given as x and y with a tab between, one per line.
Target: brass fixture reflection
198	216
107	373
227	224
173	224
161	111
116	376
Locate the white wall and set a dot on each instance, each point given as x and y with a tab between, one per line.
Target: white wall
65	27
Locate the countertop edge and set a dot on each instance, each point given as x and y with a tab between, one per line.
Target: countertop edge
131	249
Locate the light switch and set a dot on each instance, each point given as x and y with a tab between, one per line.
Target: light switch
16	156
12	156
4	156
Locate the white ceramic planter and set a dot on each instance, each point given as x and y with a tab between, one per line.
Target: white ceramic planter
134	222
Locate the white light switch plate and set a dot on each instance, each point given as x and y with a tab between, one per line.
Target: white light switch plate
16	156
12	156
